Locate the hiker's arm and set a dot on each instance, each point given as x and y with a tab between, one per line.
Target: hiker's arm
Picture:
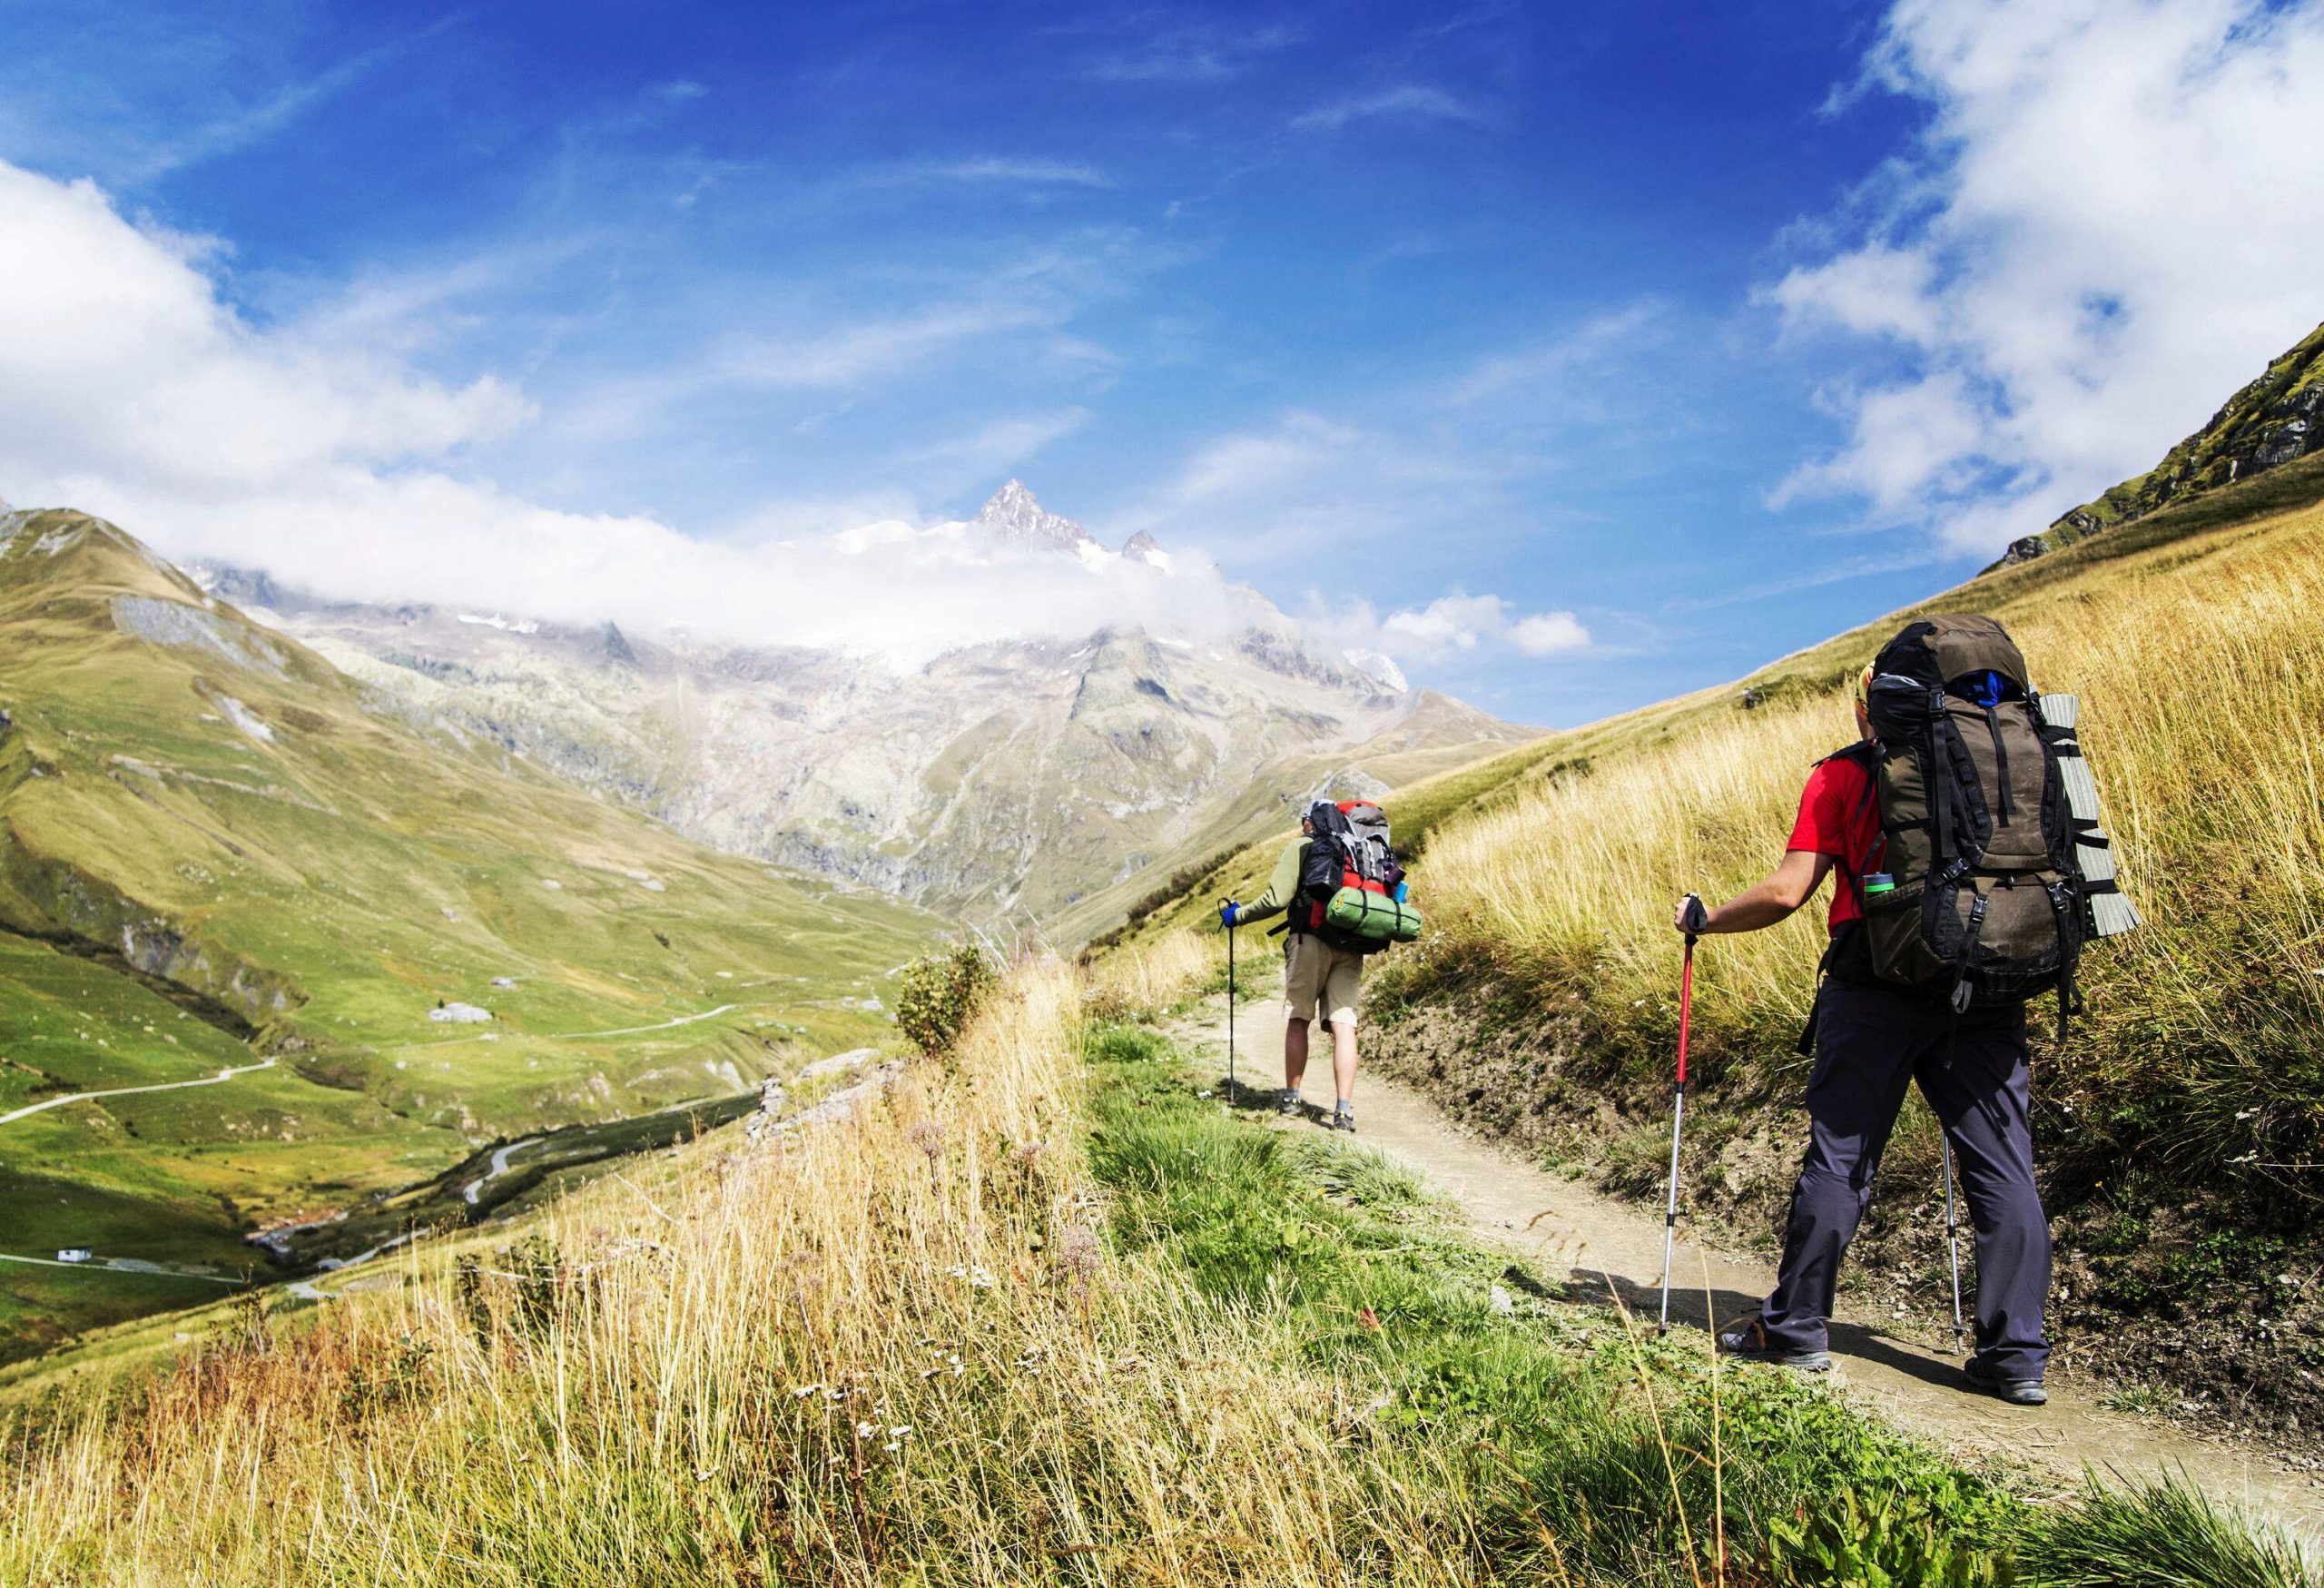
1786	889
1280	888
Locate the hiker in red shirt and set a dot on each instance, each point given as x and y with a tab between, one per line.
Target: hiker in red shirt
1872	1039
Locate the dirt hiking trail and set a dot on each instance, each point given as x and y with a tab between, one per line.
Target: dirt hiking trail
1563	1226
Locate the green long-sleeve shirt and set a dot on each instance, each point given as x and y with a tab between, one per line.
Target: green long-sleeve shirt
1282	887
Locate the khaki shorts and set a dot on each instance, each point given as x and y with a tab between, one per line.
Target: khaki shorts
1313	971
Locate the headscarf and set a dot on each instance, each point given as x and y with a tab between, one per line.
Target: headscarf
1864	688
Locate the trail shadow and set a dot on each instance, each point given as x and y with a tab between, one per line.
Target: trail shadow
1644	1302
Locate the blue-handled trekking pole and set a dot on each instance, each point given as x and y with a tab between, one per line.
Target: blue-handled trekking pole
1695	919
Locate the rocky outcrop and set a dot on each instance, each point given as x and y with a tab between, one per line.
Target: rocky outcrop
2275	420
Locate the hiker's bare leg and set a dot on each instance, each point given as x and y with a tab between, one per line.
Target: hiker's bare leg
1294	1052
1343	1055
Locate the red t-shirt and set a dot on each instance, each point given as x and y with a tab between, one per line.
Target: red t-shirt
1839	815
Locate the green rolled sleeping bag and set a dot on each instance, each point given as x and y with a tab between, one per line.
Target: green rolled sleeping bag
1376	918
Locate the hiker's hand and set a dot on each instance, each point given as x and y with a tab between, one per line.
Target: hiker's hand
1226	909
1690	917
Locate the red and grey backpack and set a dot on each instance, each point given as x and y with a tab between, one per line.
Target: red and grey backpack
1351	893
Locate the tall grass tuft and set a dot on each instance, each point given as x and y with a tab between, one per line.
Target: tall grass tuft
2161	1534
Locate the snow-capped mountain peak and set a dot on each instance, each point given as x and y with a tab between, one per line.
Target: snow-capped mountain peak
1014	515
1143	547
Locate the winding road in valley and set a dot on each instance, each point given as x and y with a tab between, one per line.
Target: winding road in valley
122	1092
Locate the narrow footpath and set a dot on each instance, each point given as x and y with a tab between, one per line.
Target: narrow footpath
1595	1240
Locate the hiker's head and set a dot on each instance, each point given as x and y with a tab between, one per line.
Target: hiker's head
1863	703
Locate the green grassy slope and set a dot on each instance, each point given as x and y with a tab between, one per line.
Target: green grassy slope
214	847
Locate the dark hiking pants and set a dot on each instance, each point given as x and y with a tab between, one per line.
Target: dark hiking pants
1870	1043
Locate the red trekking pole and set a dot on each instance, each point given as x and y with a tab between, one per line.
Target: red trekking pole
1695	919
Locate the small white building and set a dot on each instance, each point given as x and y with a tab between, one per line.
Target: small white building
73	1253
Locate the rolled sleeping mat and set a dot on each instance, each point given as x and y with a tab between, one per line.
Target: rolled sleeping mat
2109	912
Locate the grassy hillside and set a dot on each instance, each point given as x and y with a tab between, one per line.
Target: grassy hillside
216	850
1042	1314
2178	1129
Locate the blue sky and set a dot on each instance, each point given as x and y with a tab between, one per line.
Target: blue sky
1716	328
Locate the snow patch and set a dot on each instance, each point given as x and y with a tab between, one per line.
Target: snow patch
1377	667
523	625
460	1014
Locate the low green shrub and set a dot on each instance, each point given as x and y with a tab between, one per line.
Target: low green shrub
937	995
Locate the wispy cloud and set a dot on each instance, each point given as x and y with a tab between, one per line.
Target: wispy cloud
1415	102
1498	374
992	169
1192	54
254	124
997	445
852	354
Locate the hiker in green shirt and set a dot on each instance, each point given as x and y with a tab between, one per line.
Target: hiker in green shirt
1314	975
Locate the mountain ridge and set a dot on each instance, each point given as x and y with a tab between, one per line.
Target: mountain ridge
1005	780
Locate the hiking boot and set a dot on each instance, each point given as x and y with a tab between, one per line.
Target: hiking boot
1289	1104
1343	1118
2017	1392
1746	1340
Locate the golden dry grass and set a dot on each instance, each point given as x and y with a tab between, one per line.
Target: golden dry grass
1157	971
891	1349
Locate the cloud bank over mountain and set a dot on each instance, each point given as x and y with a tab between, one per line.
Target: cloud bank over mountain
129	387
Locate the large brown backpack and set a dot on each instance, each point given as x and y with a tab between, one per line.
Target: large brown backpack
1984	839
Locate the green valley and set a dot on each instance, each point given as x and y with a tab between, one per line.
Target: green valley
216	851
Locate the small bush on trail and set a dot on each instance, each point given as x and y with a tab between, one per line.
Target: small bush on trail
1879	1543
940	995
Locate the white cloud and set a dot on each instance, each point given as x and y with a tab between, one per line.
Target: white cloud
117	360
129	387
1414	102
2111	223
1461	623
1192	52
1502	374
1547	634
998	169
